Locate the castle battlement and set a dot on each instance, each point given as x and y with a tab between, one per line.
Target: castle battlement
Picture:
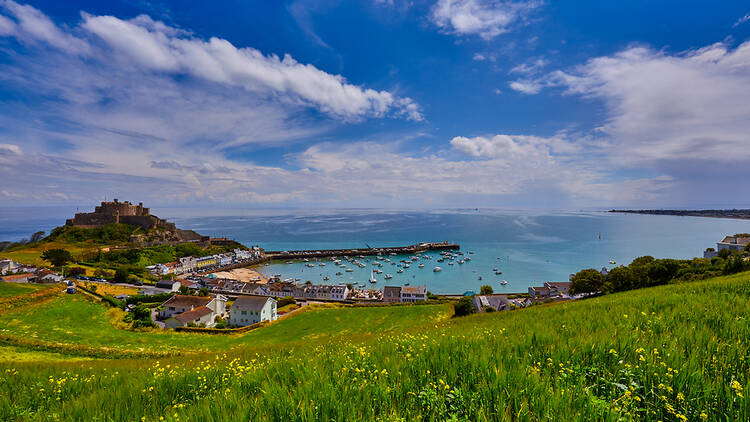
119	212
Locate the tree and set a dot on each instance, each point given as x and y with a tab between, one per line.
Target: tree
485	290
121	275
76	271
724	253
57	257
734	264
37	236
642	260
586	281
619	279
203	292
464	306
184	291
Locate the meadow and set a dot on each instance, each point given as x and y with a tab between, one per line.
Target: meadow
15	289
672	353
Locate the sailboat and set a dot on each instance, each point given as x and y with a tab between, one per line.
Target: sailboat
372	277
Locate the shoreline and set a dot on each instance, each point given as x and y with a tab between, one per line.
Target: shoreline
735	214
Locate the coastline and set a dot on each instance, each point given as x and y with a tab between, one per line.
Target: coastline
735	214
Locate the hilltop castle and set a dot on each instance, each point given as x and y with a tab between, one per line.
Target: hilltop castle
119	212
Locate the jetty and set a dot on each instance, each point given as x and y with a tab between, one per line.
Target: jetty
397	250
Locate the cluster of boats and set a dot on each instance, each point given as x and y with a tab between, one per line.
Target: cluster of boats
380	262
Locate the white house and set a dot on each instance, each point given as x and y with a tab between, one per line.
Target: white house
187	264
339	292
201	316
7	265
248	310
413	293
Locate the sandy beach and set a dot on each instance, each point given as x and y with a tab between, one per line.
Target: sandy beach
242	274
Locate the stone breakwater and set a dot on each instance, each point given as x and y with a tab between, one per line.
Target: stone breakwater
397	250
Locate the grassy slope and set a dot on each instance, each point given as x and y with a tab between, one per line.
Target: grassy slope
73	320
31	255
678	352
15	289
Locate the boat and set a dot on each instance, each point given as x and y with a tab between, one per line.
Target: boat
322	264
440	260
326	278
349	270
503	282
612	262
437	269
450	263
498	272
388	277
310	265
372	277
406	265
468	258
460	262
406	284
400	271
420	265
305	260
479	278
339	273
290	262
495	269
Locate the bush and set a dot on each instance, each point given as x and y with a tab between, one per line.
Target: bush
76	271
485	290
287	300
121	275
158	298
113	302
464	306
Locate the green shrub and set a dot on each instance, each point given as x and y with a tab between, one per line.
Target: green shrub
464	306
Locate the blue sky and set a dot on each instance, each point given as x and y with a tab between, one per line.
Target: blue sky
376	103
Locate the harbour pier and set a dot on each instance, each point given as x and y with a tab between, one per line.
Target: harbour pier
369	251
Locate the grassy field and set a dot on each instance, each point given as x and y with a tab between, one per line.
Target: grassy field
669	353
15	289
75	325
31	255
110	289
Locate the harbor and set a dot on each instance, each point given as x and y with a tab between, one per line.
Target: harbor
369	251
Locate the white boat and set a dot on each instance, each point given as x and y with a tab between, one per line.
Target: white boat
461	261
400	271
349	270
420	265
468	258
372	277
326	278
503	282
388	277
322	264
290	262
310	265
450	263
437	269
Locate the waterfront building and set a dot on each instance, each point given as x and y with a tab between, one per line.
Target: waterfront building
413	294
392	294
734	243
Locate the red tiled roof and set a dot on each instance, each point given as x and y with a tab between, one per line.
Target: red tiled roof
16	276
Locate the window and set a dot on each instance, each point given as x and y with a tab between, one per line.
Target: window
243	312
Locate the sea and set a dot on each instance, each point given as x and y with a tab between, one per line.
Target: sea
526	247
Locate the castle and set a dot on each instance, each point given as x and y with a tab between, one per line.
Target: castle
119	212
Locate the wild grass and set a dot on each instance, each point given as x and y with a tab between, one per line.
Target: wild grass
671	353
16	289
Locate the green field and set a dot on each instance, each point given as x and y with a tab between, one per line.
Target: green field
672	353
15	289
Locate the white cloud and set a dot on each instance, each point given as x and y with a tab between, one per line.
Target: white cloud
486	18
160	48
526	86
33	26
530	67
10	149
670	107
742	20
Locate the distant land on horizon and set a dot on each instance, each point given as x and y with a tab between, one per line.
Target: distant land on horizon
743	214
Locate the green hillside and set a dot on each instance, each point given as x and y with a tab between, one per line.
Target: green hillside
671	353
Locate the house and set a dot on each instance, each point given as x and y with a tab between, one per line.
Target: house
189	284
558	287
413	294
539	292
201	316
205	262
339	292
19	278
392	294
248	310
496	302
187	264
178	304
48	276
8	266
734	243
169	285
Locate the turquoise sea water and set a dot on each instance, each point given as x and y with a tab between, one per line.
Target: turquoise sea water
528	247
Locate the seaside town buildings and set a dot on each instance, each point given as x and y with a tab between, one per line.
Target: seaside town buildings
737	242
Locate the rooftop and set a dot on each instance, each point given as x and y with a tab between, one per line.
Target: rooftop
250	303
194	314
188	301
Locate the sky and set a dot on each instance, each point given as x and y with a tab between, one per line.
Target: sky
376	103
